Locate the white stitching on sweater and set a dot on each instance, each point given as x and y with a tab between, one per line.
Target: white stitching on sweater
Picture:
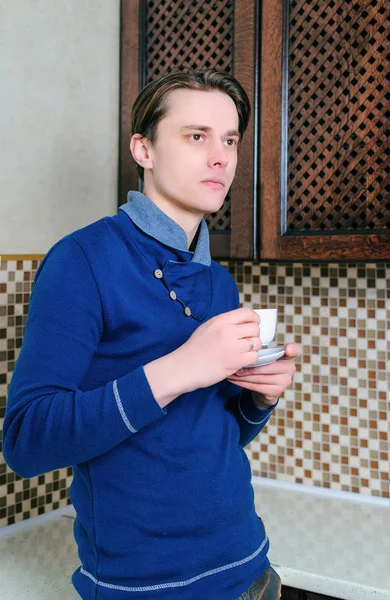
175	584
247	420
120	407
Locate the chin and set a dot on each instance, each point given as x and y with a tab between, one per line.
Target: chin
213	202
206	203
209	207
216	205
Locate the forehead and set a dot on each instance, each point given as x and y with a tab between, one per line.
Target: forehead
212	108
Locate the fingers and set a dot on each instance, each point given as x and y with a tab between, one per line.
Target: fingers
276	368
247	358
282	381
268	385
269	380
273	391
247	347
292	351
243	315
246	330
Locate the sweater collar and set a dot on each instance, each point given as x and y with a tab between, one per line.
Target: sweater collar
153	221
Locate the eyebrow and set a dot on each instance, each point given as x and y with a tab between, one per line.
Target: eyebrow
207	129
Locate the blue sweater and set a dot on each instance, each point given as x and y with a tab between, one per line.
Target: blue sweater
164	502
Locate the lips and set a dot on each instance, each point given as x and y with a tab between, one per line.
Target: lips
214	183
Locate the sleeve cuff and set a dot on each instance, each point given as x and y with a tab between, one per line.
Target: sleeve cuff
249	411
135	400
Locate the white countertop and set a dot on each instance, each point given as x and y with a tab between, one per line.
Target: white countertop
327	542
319	542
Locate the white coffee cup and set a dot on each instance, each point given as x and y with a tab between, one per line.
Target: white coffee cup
268	320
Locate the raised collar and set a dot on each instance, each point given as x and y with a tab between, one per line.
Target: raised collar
153	221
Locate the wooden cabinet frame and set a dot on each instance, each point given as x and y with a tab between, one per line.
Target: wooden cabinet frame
130	76
275	242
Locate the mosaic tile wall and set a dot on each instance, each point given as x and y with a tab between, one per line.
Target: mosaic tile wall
21	498
331	428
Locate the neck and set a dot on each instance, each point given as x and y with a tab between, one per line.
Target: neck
188	221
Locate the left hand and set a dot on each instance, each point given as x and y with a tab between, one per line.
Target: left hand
269	382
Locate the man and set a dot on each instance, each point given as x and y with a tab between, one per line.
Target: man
132	366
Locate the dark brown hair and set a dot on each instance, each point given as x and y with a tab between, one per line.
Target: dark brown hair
151	105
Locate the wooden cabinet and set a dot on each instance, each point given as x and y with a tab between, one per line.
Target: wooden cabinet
312	182
289	593
323	173
313	596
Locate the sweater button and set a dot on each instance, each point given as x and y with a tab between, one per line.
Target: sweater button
158	273
187	311
172	295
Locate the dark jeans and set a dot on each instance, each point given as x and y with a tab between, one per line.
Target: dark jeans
267	587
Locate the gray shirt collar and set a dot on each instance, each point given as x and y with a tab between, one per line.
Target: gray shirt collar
153	221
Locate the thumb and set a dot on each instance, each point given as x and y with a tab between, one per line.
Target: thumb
293	351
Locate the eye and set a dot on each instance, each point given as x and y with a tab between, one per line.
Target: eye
196	135
234	142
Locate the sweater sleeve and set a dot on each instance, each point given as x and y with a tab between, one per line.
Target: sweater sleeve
49	422
251	420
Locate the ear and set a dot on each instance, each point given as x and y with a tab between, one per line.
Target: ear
140	150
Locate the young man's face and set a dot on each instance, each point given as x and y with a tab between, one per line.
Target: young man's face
196	142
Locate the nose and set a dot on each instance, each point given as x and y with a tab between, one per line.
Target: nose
219	156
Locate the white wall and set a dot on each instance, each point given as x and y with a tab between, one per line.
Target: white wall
59	118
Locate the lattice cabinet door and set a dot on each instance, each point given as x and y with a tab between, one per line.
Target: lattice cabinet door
159	36
324	130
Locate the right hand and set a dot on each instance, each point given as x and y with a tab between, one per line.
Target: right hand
219	347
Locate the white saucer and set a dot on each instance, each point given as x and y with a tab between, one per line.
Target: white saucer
266	356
